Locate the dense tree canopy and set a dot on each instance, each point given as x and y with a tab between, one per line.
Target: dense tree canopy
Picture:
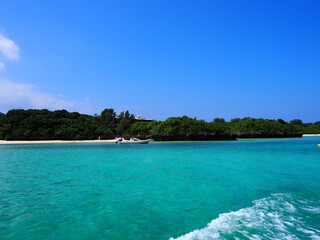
246	127
219	120
61	124
296	122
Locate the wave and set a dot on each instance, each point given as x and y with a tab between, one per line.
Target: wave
280	216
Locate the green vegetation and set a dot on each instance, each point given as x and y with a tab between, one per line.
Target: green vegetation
63	125
246	127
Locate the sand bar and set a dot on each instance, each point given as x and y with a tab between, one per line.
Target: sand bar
311	135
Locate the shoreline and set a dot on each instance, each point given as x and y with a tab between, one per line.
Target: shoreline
14	142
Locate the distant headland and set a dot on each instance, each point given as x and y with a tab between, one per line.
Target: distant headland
33	124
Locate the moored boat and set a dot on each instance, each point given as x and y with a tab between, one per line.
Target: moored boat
133	141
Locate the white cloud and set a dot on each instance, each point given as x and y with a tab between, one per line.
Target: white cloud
8	48
2	66
15	95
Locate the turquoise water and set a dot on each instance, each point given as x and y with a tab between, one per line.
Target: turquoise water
247	189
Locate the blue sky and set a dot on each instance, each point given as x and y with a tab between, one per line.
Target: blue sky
203	59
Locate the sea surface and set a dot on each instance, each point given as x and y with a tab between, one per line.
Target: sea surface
246	189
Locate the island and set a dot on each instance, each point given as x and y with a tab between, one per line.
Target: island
34	124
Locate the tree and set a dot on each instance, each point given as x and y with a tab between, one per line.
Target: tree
219	120
108	117
2	125
281	121
235	120
125	120
296	122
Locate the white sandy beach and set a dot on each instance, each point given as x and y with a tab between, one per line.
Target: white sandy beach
3	142
58	141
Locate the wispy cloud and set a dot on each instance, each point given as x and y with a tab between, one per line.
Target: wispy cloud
2	66
9	49
15	95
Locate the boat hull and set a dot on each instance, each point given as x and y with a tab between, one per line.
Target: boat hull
135	142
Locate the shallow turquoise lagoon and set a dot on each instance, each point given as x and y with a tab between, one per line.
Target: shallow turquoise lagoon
247	189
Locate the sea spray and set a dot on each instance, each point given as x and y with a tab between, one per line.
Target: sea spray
280	216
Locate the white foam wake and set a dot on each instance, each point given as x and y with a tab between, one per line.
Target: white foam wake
275	217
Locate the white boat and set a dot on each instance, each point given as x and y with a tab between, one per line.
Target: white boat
133	141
